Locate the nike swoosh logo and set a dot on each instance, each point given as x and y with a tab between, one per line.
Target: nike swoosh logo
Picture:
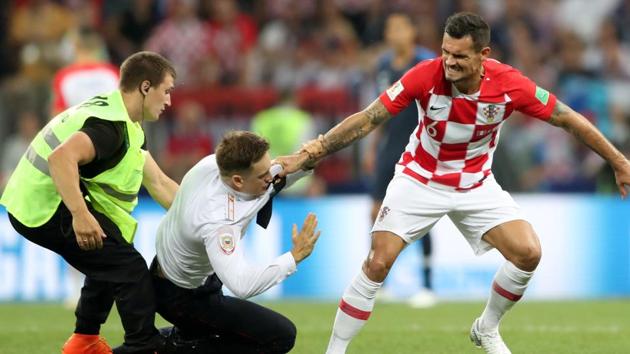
434	108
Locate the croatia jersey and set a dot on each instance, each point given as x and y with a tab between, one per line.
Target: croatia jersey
457	133
79	82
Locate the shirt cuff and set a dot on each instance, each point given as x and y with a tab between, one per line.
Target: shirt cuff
287	262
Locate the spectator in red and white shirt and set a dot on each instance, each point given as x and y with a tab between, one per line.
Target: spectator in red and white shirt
88	76
232	35
463	98
183	38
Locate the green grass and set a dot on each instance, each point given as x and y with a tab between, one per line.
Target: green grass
531	327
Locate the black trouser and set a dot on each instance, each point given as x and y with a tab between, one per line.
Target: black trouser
117	272
240	326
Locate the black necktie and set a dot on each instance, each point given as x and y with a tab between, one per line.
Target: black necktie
264	214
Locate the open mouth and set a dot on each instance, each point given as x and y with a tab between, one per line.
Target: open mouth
453	69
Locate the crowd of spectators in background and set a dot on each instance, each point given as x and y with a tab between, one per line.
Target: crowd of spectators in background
237	58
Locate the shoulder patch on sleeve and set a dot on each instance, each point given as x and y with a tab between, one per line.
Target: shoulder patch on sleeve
395	90
542	95
226	240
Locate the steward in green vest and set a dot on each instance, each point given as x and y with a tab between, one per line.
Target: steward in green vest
73	192
114	192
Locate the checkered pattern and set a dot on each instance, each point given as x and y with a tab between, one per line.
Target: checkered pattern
452	146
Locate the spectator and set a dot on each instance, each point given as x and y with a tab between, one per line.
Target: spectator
88	75
28	125
188	143
285	126
232	35
183	39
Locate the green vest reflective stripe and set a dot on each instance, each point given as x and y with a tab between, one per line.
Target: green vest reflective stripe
31	196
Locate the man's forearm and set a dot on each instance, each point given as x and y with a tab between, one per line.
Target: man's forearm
165	193
583	130
350	130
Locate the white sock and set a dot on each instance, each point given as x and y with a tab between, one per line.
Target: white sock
507	288
354	309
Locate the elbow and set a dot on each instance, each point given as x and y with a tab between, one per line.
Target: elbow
242	294
239	291
57	157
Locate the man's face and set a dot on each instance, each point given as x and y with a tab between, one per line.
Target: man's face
158	98
257	179
399	31
461	61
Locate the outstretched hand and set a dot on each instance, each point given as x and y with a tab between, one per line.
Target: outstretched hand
304	241
291	163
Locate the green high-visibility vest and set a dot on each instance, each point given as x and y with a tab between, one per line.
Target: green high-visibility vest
30	194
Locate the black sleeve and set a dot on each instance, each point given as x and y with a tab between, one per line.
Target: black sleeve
108	137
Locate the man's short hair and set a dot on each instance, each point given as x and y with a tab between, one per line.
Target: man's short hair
470	24
404	14
142	66
238	150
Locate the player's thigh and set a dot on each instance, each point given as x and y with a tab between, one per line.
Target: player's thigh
410	209
238	317
482	209
517	241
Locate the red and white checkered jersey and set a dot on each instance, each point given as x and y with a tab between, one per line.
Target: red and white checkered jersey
457	133
79	82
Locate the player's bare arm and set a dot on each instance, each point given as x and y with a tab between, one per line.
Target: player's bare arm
348	131
343	134
566	118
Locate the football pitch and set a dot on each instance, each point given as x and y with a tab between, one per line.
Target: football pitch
601	327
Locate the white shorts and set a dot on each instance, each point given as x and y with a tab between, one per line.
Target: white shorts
410	209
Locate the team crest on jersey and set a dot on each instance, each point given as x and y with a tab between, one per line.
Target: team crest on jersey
490	111
384	211
226	239
226	242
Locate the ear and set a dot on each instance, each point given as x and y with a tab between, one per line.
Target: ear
485	52
238	181
144	87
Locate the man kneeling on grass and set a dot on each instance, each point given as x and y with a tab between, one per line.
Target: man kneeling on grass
199	249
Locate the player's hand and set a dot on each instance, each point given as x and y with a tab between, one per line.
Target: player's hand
292	163
304	241
314	148
88	232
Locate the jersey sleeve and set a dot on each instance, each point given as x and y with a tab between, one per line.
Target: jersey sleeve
225	252
404	91
527	97
107	136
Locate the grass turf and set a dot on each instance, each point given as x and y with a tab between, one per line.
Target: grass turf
531	327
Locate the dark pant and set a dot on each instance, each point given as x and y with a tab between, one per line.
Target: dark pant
236	326
117	272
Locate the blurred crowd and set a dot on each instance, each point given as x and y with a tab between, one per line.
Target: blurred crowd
237	60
